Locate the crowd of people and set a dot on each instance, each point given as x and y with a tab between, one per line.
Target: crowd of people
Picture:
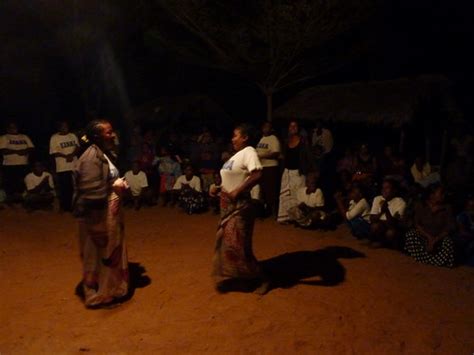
302	179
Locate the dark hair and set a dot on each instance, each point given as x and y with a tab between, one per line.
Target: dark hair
362	189
249	131
431	189
93	131
394	183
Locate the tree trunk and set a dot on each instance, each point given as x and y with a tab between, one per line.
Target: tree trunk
269	96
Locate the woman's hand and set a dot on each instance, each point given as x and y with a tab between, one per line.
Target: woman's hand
120	185
233	195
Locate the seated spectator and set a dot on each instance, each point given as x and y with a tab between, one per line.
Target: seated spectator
357	213
430	240
308	212
386	214
187	190
465	237
138	191
169	170
39	192
422	174
215	193
386	162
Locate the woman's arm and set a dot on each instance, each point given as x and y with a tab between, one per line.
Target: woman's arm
246	185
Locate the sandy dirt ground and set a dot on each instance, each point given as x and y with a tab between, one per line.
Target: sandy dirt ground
336	295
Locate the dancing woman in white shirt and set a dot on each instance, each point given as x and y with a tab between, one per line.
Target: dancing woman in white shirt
234	260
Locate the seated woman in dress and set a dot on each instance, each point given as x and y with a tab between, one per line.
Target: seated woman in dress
309	211
386	216
187	191
365	166
357	212
430	240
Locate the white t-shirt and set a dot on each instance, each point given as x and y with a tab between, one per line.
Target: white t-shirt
268	144
194	183
359	209
64	144
15	142
136	182
238	168
396	206
314	199
32	180
324	140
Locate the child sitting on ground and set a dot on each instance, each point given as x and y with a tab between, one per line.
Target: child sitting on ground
357	214
39	192
187	191
215	193
308	212
138	182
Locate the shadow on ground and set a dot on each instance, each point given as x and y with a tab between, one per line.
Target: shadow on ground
138	279
318	268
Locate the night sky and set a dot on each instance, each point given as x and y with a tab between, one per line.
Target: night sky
39	78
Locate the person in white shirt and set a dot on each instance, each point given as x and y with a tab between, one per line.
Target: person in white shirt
357	214
269	151
39	189
386	216
215	193
138	182
309	211
64	147
15	149
422	174
187	191
234	262
322	137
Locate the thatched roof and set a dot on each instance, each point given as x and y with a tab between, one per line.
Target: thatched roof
171	110
390	102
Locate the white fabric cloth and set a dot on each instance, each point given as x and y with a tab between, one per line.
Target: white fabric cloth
32	180
64	144
291	181
396	206
15	142
238	168
358	209
324	140
267	145
136	182
113	170
314	199
194	183
418	176
256	193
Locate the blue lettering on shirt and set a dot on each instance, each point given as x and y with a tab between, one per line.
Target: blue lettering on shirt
228	165
19	141
262	145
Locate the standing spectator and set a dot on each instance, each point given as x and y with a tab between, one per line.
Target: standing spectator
365	165
97	205
296	164
64	146
309	211
386	214
15	149
187	190
269	150
138	183
346	162
39	189
322	137
357	214
430	240
169	170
